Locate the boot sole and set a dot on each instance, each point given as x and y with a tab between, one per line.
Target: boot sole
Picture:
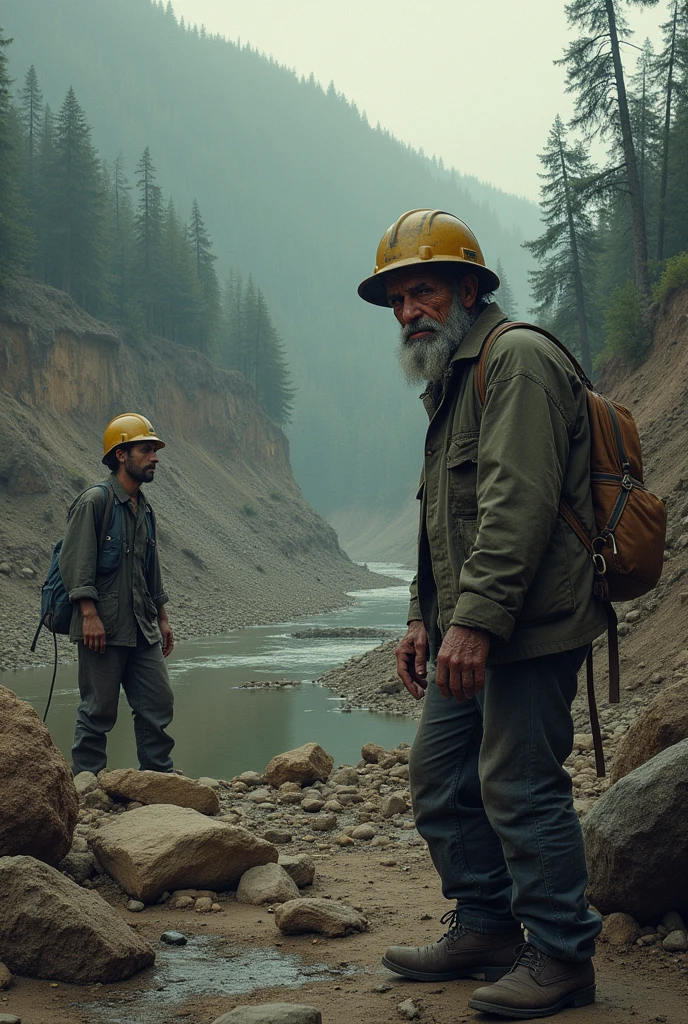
583	997
475	973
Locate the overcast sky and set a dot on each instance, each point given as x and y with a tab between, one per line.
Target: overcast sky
471	82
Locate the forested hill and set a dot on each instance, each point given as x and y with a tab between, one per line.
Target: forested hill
296	188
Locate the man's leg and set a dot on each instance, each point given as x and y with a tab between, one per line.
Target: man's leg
147	686
99	681
528	734
467	854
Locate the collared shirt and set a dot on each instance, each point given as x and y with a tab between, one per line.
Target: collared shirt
124	578
493	552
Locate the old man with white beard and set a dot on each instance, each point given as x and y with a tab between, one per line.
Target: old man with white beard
501	617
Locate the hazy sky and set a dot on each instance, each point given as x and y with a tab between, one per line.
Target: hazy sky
471	82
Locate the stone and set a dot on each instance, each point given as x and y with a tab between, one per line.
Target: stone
174	938
159	788
364	832
269	883
636	839
663	723
394	803
400	771
324	917
28	572
312	804
620	930
306	764
183	903
203	905
300	868
135	906
277	836
372	752
673	922
39	805
5	568
85	782
271	1013
79	865
9	1018
323	823
408	1010
676	942
6	978
344	840
251	779
162	847
346	776
52	928
205	780
260	796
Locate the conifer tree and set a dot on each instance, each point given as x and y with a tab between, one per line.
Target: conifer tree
14	234
31	100
668	65
566	248
204	259
148	223
595	72
505	294
181	300
232	333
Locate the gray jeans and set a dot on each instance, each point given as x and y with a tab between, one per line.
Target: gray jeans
142	674
494	804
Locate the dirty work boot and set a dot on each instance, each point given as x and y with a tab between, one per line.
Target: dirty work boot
458	954
537	986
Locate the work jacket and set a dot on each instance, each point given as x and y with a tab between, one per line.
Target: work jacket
493	553
124	578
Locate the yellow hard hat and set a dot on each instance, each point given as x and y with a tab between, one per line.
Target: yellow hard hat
428	237
129	428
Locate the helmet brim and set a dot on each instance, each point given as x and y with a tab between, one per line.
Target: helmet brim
374	288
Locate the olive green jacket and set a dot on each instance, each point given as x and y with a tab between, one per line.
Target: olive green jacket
493	553
126	595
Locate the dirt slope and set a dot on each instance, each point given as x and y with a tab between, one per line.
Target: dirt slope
239	544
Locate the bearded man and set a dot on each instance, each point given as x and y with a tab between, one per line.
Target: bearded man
501	618
111	570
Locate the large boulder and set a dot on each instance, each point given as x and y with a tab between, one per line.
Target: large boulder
325	917
38	801
663	723
307	764
636	839
152	849
159	788
52	928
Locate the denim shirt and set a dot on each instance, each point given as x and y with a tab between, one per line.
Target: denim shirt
124	578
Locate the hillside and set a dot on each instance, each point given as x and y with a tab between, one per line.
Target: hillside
297	189
239	544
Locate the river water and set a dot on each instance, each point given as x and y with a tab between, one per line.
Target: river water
221	729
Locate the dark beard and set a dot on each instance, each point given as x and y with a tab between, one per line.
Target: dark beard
424	360
142	476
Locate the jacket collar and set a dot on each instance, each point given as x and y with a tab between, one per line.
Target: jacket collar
120	493
473	342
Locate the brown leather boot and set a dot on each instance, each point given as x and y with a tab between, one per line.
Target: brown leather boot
537	986
458	954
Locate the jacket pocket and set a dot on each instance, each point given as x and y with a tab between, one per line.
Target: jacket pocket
110	555
462	470
551	594
108	612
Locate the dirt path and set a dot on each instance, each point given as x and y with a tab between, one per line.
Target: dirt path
402	903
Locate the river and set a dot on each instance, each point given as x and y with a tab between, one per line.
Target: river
221	729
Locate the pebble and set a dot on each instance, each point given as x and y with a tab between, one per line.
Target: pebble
676	942
136	906
9	1018
408	1010
344	840
384	986
174	938
364	832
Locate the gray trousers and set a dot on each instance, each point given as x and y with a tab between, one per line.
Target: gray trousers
493	802
142	674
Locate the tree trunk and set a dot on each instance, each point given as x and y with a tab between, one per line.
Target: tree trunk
642	278
583	337
661	216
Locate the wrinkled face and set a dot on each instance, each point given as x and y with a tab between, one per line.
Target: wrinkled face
139	460
419	294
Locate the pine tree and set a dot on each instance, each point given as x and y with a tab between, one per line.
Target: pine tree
232	332
31	100
181	300
265	363
204	259
505	294
667	70
14	233
566	248
149	222
595	72
77	207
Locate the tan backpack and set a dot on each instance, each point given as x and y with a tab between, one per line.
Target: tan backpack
627	549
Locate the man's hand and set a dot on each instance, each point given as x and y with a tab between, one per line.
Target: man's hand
167	637
412	658
461	662
93	629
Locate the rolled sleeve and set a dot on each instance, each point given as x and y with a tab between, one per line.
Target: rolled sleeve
79	553
476	612
414	604
83	593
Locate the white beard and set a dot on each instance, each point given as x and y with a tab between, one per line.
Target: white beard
424	360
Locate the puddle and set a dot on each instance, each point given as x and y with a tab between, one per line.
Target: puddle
206	966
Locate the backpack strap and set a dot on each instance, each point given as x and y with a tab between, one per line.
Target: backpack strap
567	513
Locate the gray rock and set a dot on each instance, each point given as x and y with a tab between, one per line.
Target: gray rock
271	1013
300	868
394	803
673	922
306	764
52	928
78	864
408	1010
661	724
324	917
9	1018
636	839
251	779
372	752
136	906
400	771
148	787
85	782
268	883
323	823
174	938
620	930
5	977
676	942
364	832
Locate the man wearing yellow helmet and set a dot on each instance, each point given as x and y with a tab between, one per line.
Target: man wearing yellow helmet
501	617
111	570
